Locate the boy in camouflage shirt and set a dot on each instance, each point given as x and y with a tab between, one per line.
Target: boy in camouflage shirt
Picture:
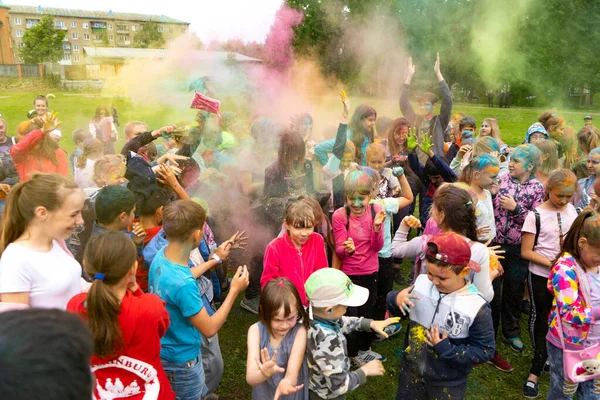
330	292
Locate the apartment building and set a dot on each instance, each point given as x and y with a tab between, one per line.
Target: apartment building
88	28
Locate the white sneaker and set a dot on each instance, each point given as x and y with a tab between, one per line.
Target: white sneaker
364	357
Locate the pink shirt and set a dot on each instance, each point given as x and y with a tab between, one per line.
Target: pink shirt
549	240
367	242
283	259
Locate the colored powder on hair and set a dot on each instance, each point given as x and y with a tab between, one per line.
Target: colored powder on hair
358	182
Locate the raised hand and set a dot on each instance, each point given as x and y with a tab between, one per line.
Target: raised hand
166	175
426	145
436	68
379	219
51	122
397	171
411	221
412	140
173	158
238	240
346	104
410	69
268	365
464	149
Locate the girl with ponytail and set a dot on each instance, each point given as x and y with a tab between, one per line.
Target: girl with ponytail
35	267
126	324
93	149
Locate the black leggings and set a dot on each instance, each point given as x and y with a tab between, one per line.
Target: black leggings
385	284
508	292
541	303
362	340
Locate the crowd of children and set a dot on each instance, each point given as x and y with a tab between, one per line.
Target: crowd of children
138	246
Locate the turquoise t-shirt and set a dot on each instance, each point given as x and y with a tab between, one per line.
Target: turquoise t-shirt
390	206
175	284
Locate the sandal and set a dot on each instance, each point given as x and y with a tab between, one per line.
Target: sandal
515	344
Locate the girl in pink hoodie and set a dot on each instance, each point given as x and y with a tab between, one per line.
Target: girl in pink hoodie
299	252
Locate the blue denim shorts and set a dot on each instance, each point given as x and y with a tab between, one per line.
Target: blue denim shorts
187	380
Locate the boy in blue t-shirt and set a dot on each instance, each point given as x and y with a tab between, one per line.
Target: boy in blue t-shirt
172	280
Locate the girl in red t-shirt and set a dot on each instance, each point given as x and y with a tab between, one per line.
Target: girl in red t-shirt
126	324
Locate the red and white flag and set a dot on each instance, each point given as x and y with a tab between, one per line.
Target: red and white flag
202	102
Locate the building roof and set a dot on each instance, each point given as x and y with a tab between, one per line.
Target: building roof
128	52
68	12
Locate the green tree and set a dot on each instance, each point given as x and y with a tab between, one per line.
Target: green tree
43	43
149	36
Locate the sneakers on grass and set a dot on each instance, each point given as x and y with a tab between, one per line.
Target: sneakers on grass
391	330
500	363
530	389
250	305
516	344
365	356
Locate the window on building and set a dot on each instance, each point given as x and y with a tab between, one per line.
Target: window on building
17	21
85	25
75	47
182	30
19	33
76	58
133	28
31	22
59	24
111	38
161	29
20	59
110	27
66	57
75	36
21	45
86	36
123	38
73	24
122	27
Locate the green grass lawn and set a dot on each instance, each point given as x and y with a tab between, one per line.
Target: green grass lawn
485	382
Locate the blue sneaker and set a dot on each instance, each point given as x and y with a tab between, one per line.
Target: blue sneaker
516	344
391	330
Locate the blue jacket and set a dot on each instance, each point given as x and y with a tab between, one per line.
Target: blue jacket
326	147
467	318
